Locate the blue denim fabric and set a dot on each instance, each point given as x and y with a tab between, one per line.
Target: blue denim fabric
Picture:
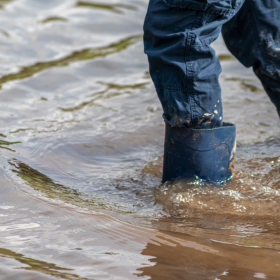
184	67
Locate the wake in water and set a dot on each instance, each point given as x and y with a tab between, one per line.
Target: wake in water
245	210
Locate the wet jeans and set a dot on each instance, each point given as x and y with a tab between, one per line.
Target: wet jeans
184	67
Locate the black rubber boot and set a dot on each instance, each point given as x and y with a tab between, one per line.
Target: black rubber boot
205	153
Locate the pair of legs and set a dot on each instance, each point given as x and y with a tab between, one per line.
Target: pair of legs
184	67
185	71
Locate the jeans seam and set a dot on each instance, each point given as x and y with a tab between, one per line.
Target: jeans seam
263	52
190	68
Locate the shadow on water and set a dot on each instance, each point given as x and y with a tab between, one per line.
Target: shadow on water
110	7
86	54
40	266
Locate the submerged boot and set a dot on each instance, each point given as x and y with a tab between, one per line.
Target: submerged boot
206	153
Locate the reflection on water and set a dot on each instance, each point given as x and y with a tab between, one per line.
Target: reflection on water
4	144
196	259
82	134
113	89
53	19
86	54
44	184
223	57
39	266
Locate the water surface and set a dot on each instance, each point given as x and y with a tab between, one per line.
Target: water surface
81	140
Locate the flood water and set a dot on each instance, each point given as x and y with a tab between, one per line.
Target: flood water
81	140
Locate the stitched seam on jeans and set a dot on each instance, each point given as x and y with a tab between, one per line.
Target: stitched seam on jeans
263	52
190	68
189	75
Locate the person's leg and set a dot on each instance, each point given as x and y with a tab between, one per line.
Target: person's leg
253	37
183	66
185	71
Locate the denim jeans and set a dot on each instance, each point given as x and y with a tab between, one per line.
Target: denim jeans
184	67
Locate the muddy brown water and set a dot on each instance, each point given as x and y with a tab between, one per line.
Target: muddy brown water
81	143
